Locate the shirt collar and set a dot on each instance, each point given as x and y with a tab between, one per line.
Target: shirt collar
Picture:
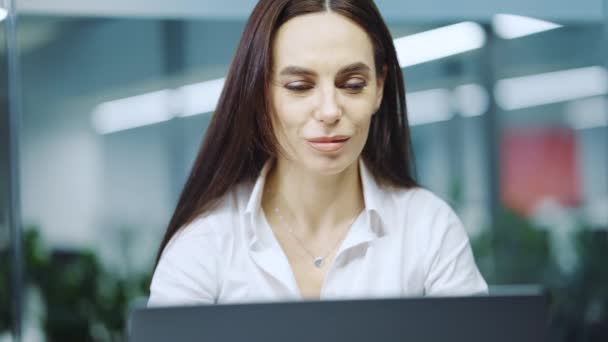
373	196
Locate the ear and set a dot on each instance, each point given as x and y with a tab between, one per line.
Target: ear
380	87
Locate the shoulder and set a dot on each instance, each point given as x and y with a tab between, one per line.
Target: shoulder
192	265
418	214
427	202
418	203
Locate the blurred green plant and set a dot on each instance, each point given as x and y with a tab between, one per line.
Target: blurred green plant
5	304
516	251
581	297
82	300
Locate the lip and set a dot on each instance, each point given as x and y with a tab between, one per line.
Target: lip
328	144
336	138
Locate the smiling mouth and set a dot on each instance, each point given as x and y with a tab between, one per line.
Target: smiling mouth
328	144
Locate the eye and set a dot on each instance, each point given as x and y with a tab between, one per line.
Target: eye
298	87
354	86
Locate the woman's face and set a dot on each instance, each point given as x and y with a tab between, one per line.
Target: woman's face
324	91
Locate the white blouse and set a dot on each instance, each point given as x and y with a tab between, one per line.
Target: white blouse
404	243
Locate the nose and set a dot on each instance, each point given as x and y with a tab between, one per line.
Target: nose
328	110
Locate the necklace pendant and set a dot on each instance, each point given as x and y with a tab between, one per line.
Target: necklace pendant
318	262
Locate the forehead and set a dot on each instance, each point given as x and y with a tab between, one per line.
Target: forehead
322	41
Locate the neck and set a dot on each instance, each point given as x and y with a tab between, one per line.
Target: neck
313	201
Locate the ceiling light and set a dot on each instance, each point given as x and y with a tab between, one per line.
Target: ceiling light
552	87
439	43
588	113
428	106
133	112
470	100
509	26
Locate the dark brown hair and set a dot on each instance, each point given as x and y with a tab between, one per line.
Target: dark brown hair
240	136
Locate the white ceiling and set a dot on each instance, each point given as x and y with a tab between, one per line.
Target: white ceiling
393	10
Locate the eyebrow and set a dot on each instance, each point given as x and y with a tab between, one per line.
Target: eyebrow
300	71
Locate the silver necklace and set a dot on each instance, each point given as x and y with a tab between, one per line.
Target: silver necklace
318	261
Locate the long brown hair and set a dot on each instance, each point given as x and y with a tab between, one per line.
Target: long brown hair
240	136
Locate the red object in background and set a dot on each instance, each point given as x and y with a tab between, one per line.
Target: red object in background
538	163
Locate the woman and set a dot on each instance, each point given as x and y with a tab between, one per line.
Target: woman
302	188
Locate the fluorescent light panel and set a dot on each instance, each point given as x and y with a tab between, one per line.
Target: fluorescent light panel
588	113
470	100
437	105
132	112
155	107
200	97
509	26
428	106
439	43
552	87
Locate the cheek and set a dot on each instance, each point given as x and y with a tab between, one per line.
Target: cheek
363	128
290	114
286	126
361	112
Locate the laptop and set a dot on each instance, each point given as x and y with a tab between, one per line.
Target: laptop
495	318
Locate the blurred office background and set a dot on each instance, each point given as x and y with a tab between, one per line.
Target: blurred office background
509	124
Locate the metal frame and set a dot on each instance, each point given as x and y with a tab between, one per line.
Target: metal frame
13	136
605	3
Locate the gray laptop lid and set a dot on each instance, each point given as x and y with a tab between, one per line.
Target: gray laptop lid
506	318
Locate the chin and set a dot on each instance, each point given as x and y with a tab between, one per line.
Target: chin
326	165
